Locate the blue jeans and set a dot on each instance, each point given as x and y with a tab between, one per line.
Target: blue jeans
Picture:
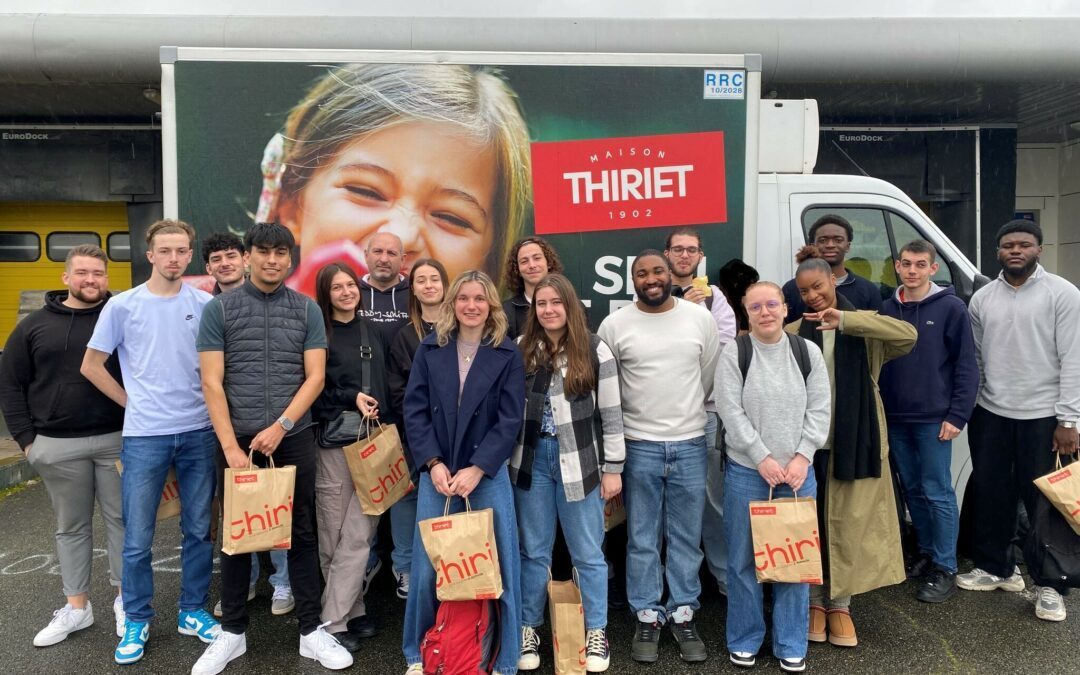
538	509
926	478
791	602
402	527
712	525
496	494
664	484
146	463
280	558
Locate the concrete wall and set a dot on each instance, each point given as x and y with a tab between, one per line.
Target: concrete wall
1048	181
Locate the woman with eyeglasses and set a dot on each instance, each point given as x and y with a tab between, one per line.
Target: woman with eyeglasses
775	419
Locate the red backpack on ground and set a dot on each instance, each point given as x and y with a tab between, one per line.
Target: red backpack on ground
464	639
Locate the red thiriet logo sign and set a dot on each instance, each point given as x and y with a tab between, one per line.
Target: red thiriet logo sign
629	182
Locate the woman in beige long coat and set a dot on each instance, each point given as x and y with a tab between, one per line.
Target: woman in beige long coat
860	533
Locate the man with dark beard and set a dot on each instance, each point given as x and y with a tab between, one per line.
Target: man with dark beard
69	431
667	349
1028	348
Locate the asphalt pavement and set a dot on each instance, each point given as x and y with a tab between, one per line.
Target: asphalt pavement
992	632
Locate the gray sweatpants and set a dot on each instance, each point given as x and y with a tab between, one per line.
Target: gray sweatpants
345	535
75	471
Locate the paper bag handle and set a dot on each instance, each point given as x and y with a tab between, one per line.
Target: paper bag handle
793	491
363	430
446	509
251	459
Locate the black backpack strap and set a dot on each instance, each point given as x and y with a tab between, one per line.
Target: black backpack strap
746	353
801	354
365	357
708	302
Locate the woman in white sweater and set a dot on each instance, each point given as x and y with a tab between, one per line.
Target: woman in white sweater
774	421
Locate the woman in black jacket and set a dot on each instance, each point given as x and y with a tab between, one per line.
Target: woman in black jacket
355	382
427	286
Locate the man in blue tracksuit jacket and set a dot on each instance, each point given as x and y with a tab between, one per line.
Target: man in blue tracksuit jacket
928	396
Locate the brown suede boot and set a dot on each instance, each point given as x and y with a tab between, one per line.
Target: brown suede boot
841	628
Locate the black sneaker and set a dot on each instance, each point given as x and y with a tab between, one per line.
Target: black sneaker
938	586
793	665
743	659
362	627
616	594
691	648
350	642
645	647
920	567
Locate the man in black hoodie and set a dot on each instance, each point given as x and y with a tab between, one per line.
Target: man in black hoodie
384	291
69	431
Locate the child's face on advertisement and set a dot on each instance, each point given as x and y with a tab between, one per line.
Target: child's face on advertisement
426	182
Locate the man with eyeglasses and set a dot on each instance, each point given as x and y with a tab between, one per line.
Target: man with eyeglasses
832	234
684	253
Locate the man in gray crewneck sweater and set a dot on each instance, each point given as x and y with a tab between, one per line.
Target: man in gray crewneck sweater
1027	339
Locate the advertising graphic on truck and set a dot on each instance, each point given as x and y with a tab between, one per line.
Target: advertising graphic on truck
599	154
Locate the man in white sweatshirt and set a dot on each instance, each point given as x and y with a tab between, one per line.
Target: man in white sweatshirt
1027	341
667	350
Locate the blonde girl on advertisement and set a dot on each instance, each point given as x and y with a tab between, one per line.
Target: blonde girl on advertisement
436	154
463	412
568	461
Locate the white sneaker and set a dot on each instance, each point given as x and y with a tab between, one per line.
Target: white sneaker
1049	605
65	621
321	646
251	596
119	615
980	580
282	602
529	659
225	647
415	669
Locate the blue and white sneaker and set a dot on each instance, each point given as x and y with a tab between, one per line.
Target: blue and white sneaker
198	623
133	644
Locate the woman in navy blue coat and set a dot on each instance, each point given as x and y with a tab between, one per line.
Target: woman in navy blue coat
464	406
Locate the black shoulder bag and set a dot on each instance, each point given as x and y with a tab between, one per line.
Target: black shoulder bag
345	429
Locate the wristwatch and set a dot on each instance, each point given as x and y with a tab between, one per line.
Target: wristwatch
1067	425
286	423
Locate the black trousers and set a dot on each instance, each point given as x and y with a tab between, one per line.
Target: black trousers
297	450
1006	456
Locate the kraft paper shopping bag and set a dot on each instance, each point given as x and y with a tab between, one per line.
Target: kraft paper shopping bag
567	627
257	512
462	550
378	469
1062	487
787	548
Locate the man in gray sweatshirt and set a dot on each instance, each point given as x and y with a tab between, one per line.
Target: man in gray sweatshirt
1027	339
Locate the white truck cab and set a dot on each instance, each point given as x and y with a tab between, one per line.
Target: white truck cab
790	199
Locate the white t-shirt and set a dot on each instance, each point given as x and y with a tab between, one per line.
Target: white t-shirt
666	365
155	339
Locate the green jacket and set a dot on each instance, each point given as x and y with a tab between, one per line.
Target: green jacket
862	531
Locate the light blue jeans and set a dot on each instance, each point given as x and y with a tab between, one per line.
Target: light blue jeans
664	484
280	558
146	463
791	602
402	528
539	508
712	524
490	493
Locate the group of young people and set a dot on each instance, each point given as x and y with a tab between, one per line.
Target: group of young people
519	407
